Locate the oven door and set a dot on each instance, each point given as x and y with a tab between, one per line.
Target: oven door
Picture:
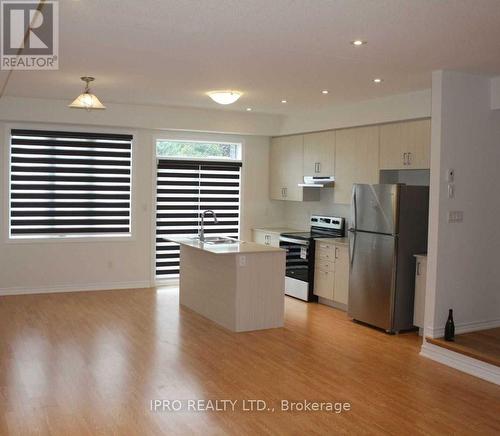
297	267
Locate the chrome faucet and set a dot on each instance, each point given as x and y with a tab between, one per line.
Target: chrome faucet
201	235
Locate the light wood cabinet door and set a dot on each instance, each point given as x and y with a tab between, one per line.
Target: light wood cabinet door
276	169
341	282
419	144
393	147
319	153
293	167
356	160
420	279
286	168
405	145
323	283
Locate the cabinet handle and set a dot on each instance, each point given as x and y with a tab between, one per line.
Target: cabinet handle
282	192
409	158
418	268
286	189
336	252
317	167
404	158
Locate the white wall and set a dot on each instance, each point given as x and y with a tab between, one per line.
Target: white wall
141	117
495	93
381	110
463	272
297	214
77	265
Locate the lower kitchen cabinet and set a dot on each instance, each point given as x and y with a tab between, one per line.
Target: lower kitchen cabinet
331	272
420	278
341	285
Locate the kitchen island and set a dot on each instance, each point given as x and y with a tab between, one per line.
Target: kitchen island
238	285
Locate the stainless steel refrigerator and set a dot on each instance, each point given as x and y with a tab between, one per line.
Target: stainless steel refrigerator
388	227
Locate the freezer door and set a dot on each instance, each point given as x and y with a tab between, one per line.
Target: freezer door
372	278
375	207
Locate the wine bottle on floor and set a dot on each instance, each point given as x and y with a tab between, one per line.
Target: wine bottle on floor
449	329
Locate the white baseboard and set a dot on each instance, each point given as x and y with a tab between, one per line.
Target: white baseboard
461	362
75	288
465	327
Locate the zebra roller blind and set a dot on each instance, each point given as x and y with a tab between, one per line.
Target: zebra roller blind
69	184
184	190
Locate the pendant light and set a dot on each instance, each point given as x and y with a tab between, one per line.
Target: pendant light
87	100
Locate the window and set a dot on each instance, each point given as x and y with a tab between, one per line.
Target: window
198	150
69	184
184	190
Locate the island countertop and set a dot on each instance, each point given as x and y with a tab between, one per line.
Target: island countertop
240	247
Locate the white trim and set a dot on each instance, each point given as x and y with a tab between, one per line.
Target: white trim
461	362
23	290
465	327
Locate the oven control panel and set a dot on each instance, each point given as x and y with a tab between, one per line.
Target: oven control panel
327	222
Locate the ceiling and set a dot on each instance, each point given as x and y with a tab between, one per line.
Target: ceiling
170	52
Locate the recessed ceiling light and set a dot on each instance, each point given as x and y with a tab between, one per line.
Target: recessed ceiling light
358	42
378	80
249	109
284	101
325	91
224	97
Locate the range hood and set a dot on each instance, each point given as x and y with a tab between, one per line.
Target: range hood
318	182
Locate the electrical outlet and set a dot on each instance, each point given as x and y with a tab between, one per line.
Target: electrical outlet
455	216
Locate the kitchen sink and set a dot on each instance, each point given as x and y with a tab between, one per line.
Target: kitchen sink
218	240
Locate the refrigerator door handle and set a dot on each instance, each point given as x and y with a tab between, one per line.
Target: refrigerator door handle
352	238
354	208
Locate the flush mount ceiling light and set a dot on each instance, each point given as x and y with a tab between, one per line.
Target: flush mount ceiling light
87	100
378	80
358	42
224	97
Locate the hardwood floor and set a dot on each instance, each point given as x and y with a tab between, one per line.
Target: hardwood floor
482	345
90	363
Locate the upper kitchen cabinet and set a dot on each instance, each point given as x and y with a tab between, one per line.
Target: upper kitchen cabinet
405	145
286	170
319	153
356	160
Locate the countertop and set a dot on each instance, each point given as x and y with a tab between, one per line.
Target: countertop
336	241
241	247
278	230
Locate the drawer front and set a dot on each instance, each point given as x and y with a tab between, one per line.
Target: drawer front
325	265
323	283
324	246
323	254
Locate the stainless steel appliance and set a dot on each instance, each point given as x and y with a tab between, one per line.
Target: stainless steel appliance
389	225
299	246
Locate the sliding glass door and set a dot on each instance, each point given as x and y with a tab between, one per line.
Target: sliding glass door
186	188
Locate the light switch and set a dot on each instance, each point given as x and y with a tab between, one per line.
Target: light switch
451	190
455	216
